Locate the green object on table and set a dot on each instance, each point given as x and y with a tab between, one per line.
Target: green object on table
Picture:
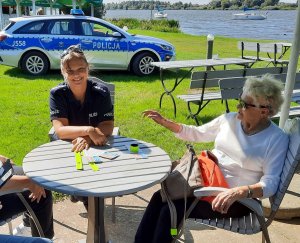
94	166
174	231
78	160
134	148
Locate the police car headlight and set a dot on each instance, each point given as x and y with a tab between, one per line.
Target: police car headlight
166	47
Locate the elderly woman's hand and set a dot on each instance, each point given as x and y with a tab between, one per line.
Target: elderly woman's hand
81	143
97	137
224	200
154	115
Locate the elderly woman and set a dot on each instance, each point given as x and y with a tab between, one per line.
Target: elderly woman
80	110
250	149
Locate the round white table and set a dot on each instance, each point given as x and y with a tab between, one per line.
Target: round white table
53	166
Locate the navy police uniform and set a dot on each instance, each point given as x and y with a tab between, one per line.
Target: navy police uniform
97	106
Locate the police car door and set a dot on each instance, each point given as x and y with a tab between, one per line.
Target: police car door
103	50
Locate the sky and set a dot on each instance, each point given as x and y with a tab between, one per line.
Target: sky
187	1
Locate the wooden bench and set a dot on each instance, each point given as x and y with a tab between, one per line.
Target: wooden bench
231	88
273	52
205	86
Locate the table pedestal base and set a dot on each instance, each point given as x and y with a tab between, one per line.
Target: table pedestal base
96	227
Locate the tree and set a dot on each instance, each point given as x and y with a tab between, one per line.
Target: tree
225	4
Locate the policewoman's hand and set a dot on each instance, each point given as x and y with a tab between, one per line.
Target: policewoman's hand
98	137
81	143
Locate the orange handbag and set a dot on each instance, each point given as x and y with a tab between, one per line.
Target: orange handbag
211	173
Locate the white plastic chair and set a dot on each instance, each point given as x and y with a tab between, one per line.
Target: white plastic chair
256	222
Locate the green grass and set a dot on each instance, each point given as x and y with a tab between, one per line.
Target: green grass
24	112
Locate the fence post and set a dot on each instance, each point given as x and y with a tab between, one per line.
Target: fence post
210	45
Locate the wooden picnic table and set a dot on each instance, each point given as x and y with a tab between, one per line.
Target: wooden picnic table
190	65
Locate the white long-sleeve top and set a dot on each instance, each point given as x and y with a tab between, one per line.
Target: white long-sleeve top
244	159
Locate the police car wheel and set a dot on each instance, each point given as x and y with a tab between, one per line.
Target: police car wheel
141	64
35	63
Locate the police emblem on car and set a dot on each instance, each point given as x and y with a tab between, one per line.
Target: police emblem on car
36	43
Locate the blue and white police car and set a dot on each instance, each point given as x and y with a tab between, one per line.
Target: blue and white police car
35	44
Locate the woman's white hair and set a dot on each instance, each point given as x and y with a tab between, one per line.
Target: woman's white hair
265	88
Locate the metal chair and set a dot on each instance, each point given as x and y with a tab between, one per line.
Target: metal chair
256	222
30	212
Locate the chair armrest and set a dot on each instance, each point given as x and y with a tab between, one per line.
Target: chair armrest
5	192
116	131
252	204
51	131
209	191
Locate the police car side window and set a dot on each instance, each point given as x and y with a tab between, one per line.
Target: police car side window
31	28
87	29
61	27
96	29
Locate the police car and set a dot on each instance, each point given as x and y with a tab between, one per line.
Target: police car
35	44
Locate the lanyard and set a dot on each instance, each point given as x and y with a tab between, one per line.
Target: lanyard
79	164
78	160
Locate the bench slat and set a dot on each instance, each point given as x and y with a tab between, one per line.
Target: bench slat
249	46
210	75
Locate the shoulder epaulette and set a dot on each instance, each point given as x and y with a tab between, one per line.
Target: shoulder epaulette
99	88
59	88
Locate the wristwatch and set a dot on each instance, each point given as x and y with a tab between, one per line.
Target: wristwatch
250	192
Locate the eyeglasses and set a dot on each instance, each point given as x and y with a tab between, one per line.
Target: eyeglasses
243	105
74	48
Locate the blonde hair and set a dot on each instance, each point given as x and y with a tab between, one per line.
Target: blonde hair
265	88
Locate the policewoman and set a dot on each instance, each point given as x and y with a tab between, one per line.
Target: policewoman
80	109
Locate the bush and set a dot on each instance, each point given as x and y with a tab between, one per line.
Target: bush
163	25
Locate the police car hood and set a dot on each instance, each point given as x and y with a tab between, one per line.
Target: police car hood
148	39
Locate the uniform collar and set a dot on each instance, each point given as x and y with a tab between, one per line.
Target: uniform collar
87	99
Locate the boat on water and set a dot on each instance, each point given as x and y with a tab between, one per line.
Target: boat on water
160	15
251	15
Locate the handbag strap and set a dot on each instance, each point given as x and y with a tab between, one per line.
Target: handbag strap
176	232
185	217
172	209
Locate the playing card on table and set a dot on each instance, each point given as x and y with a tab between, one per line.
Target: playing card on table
108	155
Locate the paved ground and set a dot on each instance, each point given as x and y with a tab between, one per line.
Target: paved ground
71	224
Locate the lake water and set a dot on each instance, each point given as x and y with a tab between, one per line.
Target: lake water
279	25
